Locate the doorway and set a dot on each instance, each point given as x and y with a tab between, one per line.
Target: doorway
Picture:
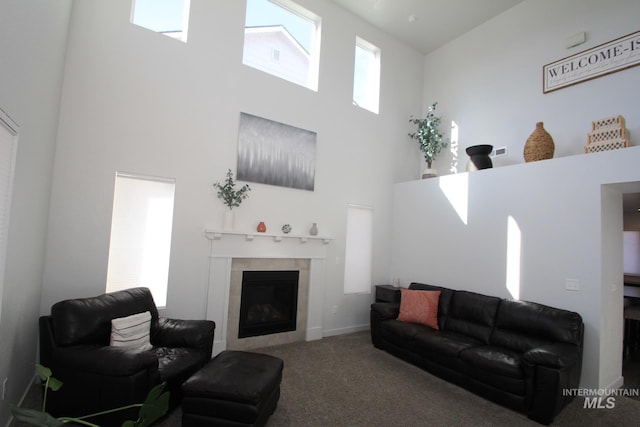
631	293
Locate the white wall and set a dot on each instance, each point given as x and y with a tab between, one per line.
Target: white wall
489	82
33	36
139	102
568	230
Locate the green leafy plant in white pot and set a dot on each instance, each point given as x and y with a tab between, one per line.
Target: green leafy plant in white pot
231	197
429	138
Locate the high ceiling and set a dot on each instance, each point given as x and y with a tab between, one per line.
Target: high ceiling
426	24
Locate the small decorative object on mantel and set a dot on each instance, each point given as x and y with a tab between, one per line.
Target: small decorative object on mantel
539	145
607	134
429	138
479	157
231	197
286	229
261	227
314	229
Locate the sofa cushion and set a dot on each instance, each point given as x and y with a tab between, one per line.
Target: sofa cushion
472	314
419	307
443	303
522	325
401	333
494	359
498	367
88	320
445	343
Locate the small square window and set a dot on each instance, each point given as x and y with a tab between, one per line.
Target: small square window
366	76
168	17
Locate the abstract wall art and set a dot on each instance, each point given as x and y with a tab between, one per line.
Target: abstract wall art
275	153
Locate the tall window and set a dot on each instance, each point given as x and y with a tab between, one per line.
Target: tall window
359	248
283	39
141	234
168	17
8	143
366	76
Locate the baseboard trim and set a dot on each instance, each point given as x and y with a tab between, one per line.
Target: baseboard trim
347	330
615	384
35	380
314	334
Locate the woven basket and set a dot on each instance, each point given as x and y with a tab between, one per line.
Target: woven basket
615	121
539	145
612	144
606	134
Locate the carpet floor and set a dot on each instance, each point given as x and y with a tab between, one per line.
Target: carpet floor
345	381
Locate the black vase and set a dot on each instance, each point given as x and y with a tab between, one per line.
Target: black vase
479	157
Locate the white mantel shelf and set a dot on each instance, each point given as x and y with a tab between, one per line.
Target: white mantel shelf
250	236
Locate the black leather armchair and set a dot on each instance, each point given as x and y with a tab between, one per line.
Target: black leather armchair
74	344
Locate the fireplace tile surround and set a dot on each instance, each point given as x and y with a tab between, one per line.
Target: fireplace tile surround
232	253
240	265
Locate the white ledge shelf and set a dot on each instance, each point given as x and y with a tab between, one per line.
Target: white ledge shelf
250	236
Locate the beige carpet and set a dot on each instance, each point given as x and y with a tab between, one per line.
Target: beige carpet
345	381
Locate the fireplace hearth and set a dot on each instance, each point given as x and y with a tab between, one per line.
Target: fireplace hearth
268	303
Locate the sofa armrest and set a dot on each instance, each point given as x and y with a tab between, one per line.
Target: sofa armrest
552	369
104	360
386	310
558	355
183	333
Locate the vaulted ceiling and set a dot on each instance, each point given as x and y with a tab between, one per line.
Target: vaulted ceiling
426	24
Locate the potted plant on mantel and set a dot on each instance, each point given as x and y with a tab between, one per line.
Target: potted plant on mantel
429	138
231	197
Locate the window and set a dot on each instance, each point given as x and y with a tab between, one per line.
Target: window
8	143
359	247
282	39
141	234
366	76
168	17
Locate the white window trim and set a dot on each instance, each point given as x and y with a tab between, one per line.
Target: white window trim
114	280
12	127
375	72
364	287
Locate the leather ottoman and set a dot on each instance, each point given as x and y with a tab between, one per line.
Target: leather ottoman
236	388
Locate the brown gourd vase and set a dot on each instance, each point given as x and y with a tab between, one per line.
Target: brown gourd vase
539	145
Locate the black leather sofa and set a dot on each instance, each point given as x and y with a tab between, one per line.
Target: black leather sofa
74	344
519	354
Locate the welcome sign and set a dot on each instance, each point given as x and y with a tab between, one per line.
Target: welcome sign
606	58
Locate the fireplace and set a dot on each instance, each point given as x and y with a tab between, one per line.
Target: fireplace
224	301
268	303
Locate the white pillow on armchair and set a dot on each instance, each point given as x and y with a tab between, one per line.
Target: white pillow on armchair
132	331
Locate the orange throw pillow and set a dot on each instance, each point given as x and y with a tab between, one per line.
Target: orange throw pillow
419	307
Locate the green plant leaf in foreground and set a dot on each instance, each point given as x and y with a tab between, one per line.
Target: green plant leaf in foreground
154	407
45	375
35	418
43	371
